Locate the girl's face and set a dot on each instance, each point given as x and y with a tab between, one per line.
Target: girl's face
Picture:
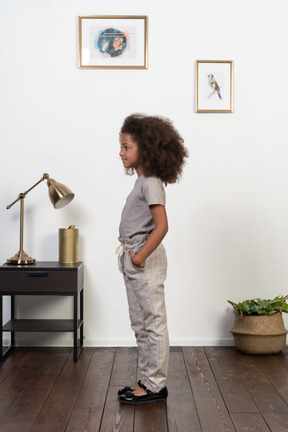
129	153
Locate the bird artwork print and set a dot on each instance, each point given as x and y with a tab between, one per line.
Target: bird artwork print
214	85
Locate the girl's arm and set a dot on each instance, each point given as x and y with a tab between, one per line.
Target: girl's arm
160	230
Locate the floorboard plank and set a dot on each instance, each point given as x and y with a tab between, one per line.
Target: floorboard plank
56	412
124	371
276	373
95	385
90	402
233	389
83	420
181	409
283	358
150	417
211	408
270	404
116	416
273	409
10	361
31	401
17	381
249	422
250	371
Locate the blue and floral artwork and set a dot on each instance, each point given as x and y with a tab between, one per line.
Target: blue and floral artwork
111	42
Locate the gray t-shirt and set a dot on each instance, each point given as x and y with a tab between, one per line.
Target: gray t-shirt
136	216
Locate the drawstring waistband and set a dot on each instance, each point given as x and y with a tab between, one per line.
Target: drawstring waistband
129	243
119	251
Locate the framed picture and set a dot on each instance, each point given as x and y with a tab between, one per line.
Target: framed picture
110	42
214	86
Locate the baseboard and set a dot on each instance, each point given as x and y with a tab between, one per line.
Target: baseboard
64	341
173	342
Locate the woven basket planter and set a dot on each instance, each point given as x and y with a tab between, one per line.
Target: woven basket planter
259	334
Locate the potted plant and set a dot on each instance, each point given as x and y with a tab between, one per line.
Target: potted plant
259	326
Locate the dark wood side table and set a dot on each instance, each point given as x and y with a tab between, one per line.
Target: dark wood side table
43	278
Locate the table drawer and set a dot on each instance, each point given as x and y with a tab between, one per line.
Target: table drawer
30	280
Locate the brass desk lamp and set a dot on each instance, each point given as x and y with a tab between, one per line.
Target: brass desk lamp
59	195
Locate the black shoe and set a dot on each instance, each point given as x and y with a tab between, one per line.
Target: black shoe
150	397
128	389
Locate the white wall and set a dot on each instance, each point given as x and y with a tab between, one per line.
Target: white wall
228	236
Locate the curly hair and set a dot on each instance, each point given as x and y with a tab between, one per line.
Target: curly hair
160	146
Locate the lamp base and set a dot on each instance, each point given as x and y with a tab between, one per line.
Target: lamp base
21	258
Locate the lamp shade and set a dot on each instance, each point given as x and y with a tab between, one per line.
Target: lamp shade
59	194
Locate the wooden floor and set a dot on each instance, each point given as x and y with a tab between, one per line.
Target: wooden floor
211	389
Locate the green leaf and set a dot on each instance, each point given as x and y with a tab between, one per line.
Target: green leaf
261	306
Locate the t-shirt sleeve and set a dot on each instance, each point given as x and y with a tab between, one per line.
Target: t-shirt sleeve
153	191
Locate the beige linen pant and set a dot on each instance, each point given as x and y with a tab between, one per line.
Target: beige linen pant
147	311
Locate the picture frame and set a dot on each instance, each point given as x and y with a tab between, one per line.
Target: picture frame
113	42
214	86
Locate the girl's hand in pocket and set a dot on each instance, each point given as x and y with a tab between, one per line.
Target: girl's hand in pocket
135	260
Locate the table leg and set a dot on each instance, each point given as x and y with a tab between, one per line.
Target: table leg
81	319
12	317
75	327
1	320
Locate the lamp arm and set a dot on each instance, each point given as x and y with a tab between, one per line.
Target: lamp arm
22	195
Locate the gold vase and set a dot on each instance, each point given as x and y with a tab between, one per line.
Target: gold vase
68	245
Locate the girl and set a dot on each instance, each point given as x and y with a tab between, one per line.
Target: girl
152	147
